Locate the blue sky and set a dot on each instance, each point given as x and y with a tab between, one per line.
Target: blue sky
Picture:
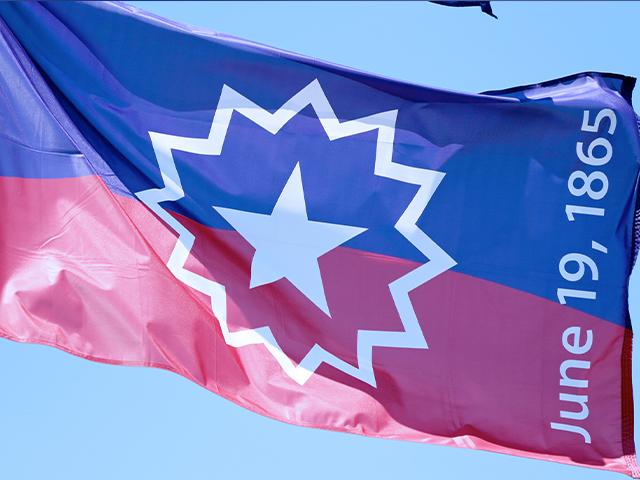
66	418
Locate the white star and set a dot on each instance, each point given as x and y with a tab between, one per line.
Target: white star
287	244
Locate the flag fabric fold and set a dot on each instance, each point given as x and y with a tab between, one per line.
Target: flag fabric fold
326	247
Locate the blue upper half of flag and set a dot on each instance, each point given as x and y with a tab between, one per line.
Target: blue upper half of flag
110	76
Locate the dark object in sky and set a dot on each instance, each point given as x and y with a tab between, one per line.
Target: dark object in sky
484	6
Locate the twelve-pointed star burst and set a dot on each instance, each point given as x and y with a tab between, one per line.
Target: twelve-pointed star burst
287	244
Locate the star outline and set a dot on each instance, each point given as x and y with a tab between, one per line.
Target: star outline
439	261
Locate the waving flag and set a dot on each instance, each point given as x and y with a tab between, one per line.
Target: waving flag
319	245
484	6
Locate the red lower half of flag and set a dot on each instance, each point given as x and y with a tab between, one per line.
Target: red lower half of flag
85	270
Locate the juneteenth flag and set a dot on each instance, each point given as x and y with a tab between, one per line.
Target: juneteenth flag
326	247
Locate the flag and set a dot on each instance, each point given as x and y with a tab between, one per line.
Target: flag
323	246
484	6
